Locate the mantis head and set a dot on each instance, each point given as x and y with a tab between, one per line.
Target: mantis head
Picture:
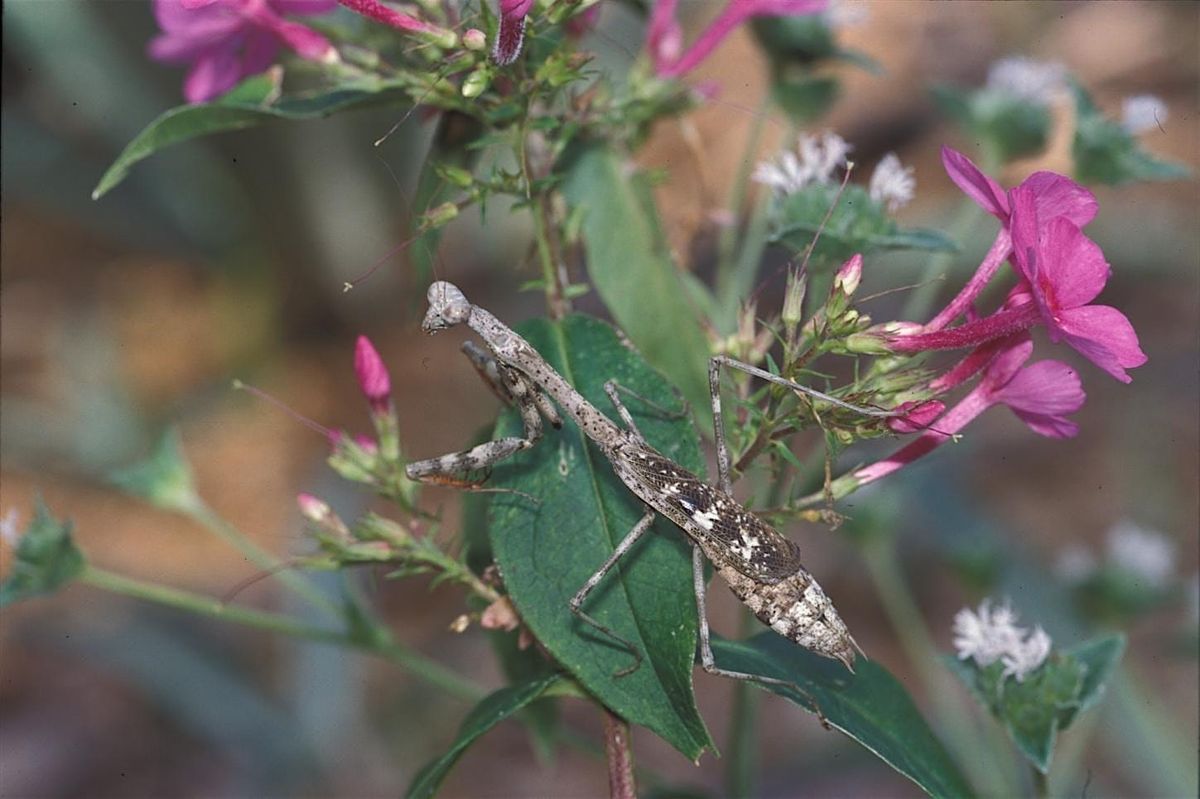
448	307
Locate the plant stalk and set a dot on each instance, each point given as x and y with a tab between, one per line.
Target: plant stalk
621	784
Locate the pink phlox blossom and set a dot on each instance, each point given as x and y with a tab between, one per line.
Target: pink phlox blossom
511	36
1065	271
1054	194
225	41
664	38
373	377
1041	395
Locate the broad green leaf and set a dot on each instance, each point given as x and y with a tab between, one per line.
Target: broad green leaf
572	512
629	265
869	705
490	711
518	665
164	478
46	559
252	103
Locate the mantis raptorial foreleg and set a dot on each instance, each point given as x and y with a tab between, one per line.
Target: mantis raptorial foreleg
512	387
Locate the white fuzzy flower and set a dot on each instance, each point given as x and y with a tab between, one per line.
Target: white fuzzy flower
1026	655
1075	563
892	183
990	634
1145	553
814	161
1142	112
1037	82
784	174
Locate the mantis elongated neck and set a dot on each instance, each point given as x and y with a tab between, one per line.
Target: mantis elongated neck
511	349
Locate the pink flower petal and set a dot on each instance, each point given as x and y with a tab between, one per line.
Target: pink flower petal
212	74
1060	196
1007	363
303	40
1105	337
987	193
1042	395
1072	266
304	7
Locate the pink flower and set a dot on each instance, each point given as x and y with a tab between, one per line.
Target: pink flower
664	37
227	40
373	9
372	375
511	36
1040	395
1054	195
1066	270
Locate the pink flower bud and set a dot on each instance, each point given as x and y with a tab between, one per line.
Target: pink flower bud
915	416
372	375
313	509
849	276
474	39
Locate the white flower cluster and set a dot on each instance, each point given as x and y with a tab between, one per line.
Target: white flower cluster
892	183
990	634
1142	112
1037	82
1147	554
814	161
9	528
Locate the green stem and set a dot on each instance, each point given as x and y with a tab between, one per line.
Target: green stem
556	301
906	619
202	513
431	672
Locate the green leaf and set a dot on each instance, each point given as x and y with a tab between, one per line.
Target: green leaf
164	478
251	104
858	224
1034	710
632	272
1100	658
47	558
572	512
490	711
869	706
1105	152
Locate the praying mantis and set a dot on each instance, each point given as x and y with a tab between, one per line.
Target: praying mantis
760	565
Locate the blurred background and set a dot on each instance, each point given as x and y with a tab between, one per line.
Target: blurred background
224	258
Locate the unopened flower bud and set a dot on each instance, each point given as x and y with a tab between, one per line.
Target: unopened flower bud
372	376
476	83
474	39
439	215
793	298
313	509
849	276
915	416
